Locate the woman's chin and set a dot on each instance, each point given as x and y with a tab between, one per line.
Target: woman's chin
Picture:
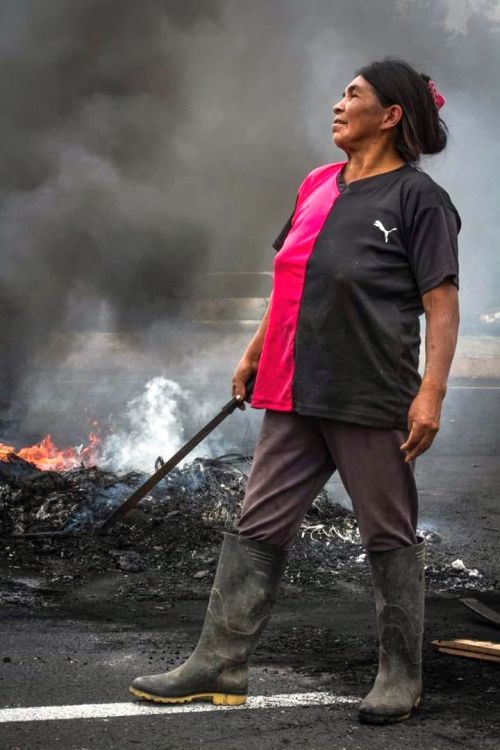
338	140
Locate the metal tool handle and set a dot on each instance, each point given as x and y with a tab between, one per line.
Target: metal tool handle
249	386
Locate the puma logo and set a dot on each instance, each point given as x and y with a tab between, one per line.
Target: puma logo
387	232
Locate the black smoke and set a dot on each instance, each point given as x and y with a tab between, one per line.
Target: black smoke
93	96
146	142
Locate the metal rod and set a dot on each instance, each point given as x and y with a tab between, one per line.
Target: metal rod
162	472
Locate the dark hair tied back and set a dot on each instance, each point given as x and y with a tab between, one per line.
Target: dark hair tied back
421	130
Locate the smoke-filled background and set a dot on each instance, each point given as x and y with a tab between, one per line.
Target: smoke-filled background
147	143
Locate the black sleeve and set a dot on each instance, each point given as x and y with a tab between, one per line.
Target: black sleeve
433	240
280	239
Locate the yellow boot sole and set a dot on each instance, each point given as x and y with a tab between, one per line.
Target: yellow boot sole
219	699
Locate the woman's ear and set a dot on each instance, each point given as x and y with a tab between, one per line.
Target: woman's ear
392	116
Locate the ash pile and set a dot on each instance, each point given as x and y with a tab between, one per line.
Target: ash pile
176	530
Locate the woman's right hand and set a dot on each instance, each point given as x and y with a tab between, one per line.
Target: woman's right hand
246	368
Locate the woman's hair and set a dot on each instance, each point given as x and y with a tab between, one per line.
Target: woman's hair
420	130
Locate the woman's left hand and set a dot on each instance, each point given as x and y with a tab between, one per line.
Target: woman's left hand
423	421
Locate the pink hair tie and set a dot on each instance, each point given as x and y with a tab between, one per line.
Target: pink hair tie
439	99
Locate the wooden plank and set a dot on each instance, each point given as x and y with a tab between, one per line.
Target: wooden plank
464	644
469	654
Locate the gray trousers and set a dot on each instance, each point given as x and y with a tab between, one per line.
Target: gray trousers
296	455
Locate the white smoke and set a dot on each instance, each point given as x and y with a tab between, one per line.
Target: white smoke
152	427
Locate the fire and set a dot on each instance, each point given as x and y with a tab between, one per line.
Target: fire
47	456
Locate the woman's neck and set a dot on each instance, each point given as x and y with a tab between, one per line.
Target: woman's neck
369	162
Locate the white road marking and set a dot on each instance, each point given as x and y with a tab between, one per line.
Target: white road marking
474	387
112	710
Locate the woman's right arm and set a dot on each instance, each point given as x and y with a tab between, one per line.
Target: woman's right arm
249	362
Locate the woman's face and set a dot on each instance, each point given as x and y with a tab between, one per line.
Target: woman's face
358	116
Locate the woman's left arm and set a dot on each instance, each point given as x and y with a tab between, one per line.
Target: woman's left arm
442	319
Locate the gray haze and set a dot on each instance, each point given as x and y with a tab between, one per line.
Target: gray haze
146	142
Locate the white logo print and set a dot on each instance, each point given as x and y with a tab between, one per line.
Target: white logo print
387	232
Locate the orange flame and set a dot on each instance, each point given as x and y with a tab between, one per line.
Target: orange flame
47	456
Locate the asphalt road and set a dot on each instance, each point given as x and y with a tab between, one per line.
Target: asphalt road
318	642
81	653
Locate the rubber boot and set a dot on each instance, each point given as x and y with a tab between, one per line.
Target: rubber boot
244	590
398	580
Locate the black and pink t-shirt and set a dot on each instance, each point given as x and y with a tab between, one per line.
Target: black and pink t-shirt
352	265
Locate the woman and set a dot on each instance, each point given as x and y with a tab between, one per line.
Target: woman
371	245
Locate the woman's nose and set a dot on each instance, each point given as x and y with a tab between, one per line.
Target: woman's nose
337	108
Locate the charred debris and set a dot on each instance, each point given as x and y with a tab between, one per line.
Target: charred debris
49	523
